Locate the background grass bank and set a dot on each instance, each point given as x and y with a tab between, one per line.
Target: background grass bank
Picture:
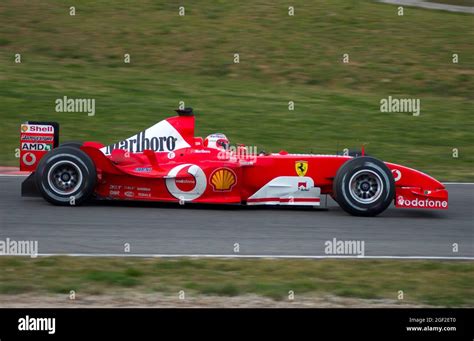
440	283
282	59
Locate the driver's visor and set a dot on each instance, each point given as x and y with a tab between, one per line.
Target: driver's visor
223	143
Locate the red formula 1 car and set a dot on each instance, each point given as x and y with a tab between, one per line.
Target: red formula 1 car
167	163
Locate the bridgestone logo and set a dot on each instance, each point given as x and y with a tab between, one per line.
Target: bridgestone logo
36	138
141	143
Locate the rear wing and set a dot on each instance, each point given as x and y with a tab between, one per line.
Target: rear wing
36	139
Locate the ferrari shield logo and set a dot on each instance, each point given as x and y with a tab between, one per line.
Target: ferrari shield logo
301	167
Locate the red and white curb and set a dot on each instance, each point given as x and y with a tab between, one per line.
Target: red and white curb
12	171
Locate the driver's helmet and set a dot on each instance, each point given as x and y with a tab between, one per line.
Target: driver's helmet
217	141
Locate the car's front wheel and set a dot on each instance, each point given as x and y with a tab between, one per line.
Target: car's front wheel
364	186
66	176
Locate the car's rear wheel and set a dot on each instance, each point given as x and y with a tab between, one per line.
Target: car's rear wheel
364	186
66	176
74	144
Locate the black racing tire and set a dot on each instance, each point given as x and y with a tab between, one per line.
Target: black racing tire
364	186
66	176
74	144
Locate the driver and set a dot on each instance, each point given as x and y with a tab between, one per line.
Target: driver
217	141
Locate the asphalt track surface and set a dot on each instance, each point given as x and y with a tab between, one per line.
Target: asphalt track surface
431	5
104	227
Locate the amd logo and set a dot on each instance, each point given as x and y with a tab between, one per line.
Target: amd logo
36	146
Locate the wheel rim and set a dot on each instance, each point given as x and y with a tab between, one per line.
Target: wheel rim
365	186
64	177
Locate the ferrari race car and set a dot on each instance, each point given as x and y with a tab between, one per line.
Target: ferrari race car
167	163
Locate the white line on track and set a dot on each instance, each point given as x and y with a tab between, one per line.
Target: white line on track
458	183
147	255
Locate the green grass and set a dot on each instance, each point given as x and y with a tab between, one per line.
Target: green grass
282	59
444	283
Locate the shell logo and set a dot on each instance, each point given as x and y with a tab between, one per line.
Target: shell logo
223	179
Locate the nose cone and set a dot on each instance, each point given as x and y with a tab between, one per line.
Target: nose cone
409	177
415	189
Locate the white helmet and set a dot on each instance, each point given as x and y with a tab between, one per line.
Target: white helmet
217	141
